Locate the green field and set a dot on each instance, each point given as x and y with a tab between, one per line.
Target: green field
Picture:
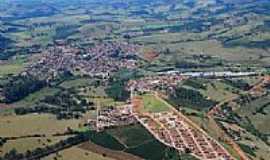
131	136
152	104
258	112
12	67
78	82
34	124
35	97
76	153
24	144
135	140
218	91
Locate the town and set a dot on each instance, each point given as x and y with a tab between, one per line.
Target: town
101	60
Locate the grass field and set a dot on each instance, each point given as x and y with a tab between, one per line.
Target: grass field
75	83
262	149
152	104
24	144
76	153
12	67
180	44
35	97
259	120
34	124
96	95
218	91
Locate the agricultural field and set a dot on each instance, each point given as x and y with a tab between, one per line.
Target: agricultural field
34	124
134	140
76	153
26	128
24	144
13	67
136	135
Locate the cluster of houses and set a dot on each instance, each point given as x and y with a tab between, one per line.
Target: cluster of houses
173	130
155	83
108	117
107	58
99	60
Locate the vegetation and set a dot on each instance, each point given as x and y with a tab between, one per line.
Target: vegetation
195	83
240	84
106	140
153	104
76	153
21	86
117	86
190	98
41	152
247	149
131	136
65	105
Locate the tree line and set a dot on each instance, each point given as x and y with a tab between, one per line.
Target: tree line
21	86
43	152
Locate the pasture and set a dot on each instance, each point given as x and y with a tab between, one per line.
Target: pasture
76	153
42	124
152	104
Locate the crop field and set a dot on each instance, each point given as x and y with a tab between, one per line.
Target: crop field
34	124
76	153
128	140
24	144
29	125
131	136
12	67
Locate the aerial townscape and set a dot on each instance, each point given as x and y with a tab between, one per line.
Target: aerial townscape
134	79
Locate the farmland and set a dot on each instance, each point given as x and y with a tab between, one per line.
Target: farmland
76	153
34	124
28	126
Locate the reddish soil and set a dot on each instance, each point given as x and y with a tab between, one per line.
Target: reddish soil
150	55
3	105
137	104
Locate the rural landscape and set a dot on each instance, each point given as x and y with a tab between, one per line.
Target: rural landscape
134	79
